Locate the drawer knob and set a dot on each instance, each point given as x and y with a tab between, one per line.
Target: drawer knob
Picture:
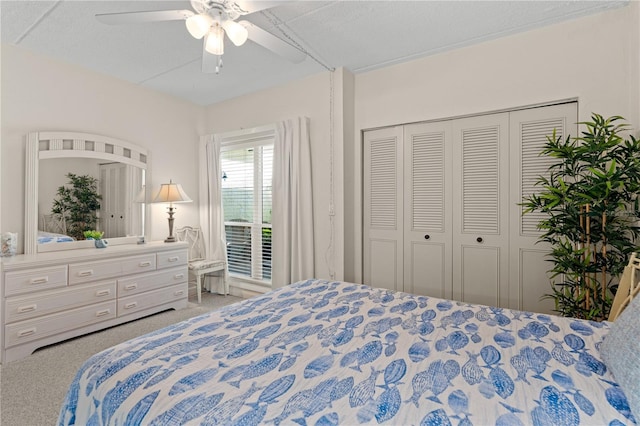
131	305
85	273
173	259
103	293
479	239
131	286
144	264
26	332
426	237
178	276
40	280
103	312
179	293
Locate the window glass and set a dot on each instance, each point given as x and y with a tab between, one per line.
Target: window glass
246	199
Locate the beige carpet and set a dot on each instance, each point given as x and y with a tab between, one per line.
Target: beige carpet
32	389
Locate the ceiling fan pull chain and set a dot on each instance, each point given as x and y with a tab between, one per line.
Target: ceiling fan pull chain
219	64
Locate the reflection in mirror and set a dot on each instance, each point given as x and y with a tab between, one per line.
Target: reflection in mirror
118	186
120	169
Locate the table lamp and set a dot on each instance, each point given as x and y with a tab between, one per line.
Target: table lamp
171	193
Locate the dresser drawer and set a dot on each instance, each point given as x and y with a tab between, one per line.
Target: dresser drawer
142	301
92	271
49	325
19	282
151	281
51	301
169	259
136	264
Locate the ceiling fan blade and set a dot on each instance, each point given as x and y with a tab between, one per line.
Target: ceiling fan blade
209	61
273	43
248	6
143	17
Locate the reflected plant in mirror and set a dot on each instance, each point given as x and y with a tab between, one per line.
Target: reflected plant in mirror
77	204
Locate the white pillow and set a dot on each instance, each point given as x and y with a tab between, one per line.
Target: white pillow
621	353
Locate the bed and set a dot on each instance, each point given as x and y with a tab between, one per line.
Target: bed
327	353
53	230
52	237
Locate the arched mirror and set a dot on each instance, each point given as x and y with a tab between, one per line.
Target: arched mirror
118	170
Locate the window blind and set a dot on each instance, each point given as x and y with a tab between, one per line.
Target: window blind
247	170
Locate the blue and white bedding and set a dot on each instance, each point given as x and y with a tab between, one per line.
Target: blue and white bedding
325	353
51	237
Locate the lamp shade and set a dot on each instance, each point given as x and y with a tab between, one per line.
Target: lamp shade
171	193
198	25
142	195
214	42
237	33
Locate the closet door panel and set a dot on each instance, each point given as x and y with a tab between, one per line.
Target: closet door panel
383	208
480	274
480	209
532	279
385	271
427	214
528	264
428	269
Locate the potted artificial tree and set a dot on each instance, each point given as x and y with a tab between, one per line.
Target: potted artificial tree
78	203
590	198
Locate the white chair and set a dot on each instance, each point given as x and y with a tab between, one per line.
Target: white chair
199	266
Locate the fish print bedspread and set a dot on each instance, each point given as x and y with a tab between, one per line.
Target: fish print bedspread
328	353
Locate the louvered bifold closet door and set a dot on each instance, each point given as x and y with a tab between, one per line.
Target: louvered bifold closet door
383	208
427	213
529	130
480	209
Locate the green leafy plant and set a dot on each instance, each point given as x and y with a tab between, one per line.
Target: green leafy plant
93	235
78	203
590	202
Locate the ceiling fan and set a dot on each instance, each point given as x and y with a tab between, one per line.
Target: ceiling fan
211	20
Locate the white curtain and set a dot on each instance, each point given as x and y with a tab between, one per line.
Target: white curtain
211	214
292	218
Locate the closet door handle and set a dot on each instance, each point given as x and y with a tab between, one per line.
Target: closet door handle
479	239
427	236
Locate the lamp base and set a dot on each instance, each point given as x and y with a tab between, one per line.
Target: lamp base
170	238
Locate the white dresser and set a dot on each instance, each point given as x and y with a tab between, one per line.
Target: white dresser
50	297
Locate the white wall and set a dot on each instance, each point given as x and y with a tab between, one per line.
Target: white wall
309	97
595	59
40	94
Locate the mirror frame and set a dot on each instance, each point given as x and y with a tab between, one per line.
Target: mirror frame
44	145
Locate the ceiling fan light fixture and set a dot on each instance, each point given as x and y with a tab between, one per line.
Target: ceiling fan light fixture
214	43
236	32
198	25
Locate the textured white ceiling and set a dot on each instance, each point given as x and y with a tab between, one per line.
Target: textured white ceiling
357	35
